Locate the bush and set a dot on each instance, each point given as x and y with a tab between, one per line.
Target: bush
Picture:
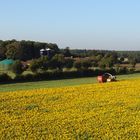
86	64
121	70
19	78
69	63
131	70
34	66
17	68
26	78
77	65
55	75
5	77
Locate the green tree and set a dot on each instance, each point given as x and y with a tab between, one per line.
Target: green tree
17	67
44	62
69	63
101	64
57	61
133	62
86	64
67	52
2	52
77	64
99	57
121	59
26	50
35	66
13	50
106	62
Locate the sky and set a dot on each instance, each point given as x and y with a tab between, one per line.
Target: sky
78	24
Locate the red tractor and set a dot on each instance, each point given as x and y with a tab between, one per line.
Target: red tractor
107	77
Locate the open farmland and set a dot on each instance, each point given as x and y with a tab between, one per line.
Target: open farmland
93	111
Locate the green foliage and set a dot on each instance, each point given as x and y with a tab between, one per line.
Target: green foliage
133	62
82	64
57	61
34	66
130	55
86	64
24	50
2	52
13	50
77	64
5	77
17	67
99	57
69	63
67	52
121	59
106	62
44	63
121	70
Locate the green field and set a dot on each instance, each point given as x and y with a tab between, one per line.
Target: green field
58	83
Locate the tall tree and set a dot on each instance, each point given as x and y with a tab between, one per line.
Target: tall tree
13	50
67	52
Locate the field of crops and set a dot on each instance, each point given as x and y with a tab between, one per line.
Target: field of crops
85	112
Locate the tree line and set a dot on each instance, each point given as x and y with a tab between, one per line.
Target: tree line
62	63
27	50
24	50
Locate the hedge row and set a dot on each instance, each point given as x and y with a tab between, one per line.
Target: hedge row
59	75
4	78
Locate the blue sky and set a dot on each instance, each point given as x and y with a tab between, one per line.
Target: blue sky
85	24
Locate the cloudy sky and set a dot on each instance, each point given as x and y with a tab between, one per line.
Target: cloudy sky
83	24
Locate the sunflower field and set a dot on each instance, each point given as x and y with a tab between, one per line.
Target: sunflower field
86	112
